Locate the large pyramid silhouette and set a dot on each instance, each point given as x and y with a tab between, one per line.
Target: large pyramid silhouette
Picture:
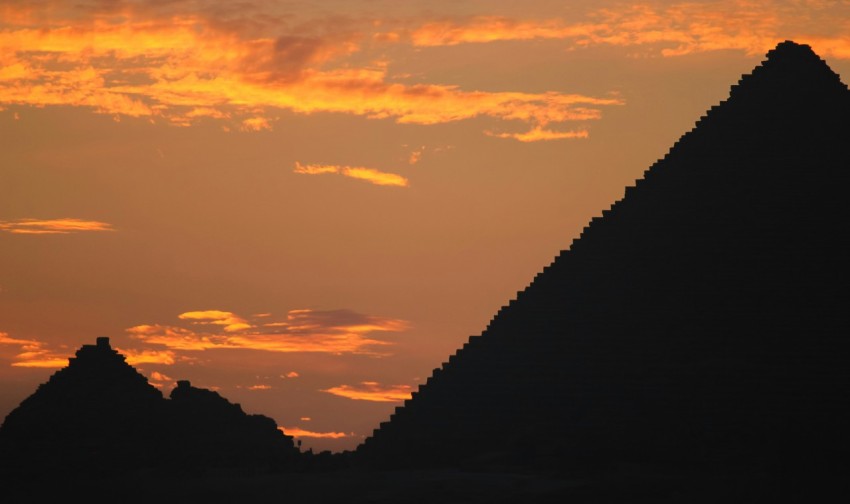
701	323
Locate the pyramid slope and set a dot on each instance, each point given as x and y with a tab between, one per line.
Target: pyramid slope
699	322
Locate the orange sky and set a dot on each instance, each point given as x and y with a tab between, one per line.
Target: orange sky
309	206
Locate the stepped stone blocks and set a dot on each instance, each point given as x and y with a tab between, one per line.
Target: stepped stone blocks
700	322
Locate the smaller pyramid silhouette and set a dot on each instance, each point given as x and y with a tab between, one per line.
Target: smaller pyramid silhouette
100	416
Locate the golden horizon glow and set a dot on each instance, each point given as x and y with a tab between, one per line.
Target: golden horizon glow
372	391
298	432
370	175
53	226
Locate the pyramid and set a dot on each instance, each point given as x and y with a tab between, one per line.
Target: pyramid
97	411
698	324
99	416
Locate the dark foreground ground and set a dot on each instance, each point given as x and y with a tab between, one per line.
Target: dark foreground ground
632	485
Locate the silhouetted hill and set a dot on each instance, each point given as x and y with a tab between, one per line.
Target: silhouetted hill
99	416
210	428
697	327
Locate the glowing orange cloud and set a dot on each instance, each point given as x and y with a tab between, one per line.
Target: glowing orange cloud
256	124
372	391
311	321
33	353
481	29
416	155
330	331
370	175
53	226
136	357
230	321
298	432
677	28
180	339
183	68
538	134
160	380
259	387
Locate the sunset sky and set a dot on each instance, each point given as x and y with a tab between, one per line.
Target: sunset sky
309	205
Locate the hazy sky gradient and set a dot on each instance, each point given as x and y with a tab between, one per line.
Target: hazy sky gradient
308	206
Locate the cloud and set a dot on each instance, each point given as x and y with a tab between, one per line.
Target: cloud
316	331
370	175
165	62
183	67
671	28
538	134
137	357
256	124
482	29
53	226
291	374
372	391
311	321
416	155
230	321
34	354
160	380
298	432
259	387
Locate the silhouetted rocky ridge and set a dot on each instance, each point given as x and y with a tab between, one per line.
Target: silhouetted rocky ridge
100	416
698	325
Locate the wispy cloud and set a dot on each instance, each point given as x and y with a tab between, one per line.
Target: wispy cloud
482	29
328	331
415	155
33	353
167	63
137	357
228	320
259	387
671	28
370	175
53	226
160	380
256	124
538	134
298	432
183	67
372	391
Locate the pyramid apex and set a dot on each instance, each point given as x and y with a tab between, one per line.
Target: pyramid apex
791	73
789	49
